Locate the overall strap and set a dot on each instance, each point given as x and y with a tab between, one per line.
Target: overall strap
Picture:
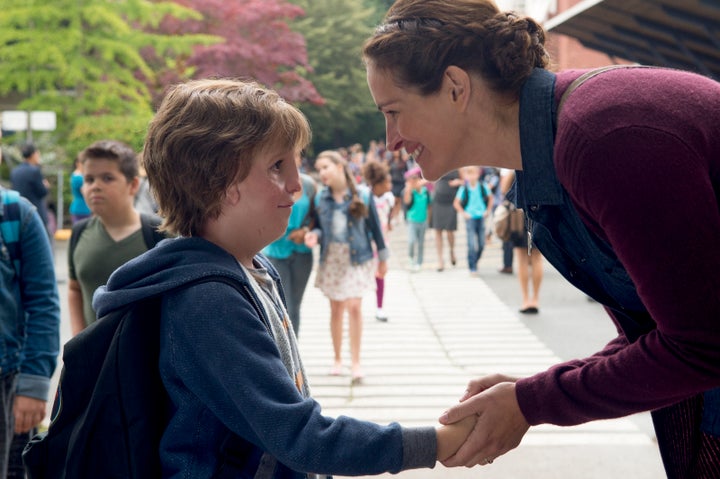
588	75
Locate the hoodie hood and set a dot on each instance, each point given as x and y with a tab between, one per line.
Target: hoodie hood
169	265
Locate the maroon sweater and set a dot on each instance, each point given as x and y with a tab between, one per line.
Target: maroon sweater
638	151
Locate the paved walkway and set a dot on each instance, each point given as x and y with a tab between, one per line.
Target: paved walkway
445	328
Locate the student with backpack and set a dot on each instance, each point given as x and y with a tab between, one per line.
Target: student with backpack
347	226
474	202
416	198
237	399
115	233
29	320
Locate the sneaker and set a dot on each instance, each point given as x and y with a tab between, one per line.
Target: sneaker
381	315
474	274
415	268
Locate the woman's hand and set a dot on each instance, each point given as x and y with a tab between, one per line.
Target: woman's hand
500	425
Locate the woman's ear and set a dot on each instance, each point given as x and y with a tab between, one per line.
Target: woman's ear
456	82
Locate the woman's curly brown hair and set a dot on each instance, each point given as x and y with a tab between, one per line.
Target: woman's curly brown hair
419	39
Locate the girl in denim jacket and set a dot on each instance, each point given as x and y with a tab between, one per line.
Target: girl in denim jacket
347	222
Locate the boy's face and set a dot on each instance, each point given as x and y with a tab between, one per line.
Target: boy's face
265	200
471	173
106	190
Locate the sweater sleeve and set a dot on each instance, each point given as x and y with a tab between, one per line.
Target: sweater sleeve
229	361
649	191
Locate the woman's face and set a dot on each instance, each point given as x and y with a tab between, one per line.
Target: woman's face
424	125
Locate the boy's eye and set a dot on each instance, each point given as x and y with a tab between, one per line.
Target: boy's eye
277	165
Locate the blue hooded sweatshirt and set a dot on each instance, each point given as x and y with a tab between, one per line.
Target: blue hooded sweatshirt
223	372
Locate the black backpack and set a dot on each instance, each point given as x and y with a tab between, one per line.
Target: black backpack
465	195
111	408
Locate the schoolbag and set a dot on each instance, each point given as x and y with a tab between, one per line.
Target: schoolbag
412	199
10	226
111	407
148	224
465	195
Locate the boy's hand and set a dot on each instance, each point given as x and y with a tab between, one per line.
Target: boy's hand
29	412
297	236
311	239
451	437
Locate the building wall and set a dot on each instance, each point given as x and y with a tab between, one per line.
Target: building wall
565	52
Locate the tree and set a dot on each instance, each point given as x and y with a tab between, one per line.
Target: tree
82	60
334	43
257	43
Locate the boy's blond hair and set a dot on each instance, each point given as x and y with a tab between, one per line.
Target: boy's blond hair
204	138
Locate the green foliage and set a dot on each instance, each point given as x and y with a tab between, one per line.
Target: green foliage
335	31
82	59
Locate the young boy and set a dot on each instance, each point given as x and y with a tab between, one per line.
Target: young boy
416	199
220	156
474	202
113	235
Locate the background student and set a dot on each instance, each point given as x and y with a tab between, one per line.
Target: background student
346	220
115	233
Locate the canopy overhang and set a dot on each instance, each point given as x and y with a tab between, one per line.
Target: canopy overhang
683	34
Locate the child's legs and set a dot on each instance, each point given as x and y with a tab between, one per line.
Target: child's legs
379	291
507	248
481	236
472	243
412	239
337	311
354	307
421	228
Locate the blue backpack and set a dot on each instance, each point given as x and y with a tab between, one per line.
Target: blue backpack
10	226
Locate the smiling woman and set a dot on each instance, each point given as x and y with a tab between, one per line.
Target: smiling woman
461	83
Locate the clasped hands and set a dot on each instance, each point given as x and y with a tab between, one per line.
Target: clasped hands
488	417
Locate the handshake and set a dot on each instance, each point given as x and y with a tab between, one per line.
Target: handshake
486	424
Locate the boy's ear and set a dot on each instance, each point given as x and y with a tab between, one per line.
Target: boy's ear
232	194
135	185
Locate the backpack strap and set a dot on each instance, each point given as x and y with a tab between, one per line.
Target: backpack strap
10	226
75	234
149	225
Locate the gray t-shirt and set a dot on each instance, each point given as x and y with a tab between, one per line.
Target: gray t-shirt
96	256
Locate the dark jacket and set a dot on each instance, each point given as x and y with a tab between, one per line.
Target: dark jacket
223	371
